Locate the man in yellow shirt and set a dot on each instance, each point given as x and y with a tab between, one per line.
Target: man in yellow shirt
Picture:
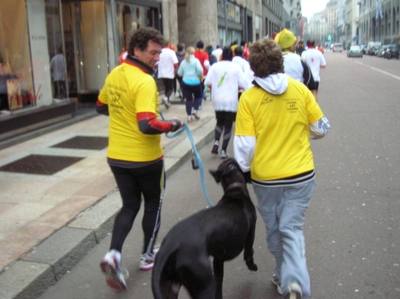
135	155
275	120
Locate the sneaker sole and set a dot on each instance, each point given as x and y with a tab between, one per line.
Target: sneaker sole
111	277
146	268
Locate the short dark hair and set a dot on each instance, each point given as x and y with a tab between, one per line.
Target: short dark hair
180	47
238	51
310	43
266	58
227	53
141	37
200	44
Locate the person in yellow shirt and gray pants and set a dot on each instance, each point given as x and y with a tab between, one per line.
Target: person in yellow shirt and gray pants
275	120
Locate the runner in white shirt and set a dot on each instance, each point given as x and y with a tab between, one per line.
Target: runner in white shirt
316	60
244	65
166	71
224	78
217	52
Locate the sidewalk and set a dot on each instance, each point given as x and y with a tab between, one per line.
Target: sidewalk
48	221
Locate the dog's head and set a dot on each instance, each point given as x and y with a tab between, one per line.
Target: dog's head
228	173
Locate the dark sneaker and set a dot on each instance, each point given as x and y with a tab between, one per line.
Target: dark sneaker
293	291
215	148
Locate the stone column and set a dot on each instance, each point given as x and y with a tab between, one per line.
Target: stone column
169	20
198	19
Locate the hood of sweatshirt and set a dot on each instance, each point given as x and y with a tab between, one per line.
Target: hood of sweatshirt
274	84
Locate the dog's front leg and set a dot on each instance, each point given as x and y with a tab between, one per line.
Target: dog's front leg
248	249
218	265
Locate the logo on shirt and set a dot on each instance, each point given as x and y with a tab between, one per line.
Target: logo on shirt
292	106
221	81
266	101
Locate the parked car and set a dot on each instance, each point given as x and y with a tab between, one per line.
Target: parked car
381	51
354	51
392	51
372	47
363	48
337	48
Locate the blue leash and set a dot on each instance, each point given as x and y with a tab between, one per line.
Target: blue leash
196	160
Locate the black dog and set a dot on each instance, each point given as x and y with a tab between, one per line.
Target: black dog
222	231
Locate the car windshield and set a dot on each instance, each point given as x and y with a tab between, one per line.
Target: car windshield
355	48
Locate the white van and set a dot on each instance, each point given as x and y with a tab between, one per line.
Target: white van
371	48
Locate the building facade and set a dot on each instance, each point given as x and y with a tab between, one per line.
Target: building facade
86	37
378	20
359	21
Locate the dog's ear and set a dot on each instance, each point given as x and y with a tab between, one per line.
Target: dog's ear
216	174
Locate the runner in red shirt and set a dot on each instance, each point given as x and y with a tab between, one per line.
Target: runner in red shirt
202	56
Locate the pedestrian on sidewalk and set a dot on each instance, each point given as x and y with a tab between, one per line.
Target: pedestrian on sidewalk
275	120
202	56
316	60
180	54
225	79
166	71
191	71
135	155
58	74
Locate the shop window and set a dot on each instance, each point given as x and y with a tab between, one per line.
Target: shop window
16	85
131	17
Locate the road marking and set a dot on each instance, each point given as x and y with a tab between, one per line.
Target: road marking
378	70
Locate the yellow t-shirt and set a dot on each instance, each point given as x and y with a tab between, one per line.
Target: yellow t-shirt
280	124
127	91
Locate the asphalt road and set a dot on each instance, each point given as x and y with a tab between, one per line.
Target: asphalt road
353	224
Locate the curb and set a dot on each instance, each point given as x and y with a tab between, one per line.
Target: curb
45	264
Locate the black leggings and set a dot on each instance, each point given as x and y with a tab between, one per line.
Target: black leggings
132	183
168	87
224	123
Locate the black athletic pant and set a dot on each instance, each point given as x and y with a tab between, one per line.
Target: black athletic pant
148	181
168	87
225	122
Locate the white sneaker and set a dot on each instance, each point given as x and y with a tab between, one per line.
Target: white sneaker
195	114
166	103
224	154
147	260
177	95
190	118
293	291
111	266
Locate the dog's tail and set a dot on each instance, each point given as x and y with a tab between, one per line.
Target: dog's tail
160	267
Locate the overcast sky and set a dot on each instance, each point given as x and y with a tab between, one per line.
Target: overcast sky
310	7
